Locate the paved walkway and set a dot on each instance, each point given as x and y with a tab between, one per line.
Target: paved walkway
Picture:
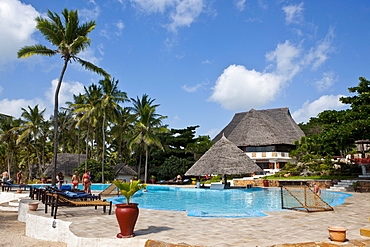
277	228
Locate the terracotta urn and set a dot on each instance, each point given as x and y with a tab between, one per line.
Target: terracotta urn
33	206
337	233
127	215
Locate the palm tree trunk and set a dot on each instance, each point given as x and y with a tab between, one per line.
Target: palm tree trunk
8	160
146	164
56	106
87	145
103	151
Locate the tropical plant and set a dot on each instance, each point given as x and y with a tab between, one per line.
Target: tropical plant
109	108
128	189
70	38
147	126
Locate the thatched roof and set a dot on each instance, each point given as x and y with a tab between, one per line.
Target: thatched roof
262	128
66	163
124	169
224	157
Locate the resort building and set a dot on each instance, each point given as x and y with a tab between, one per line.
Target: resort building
266	136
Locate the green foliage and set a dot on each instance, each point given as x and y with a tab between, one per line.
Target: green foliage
96	172
173	166
128	189
215	179
178	143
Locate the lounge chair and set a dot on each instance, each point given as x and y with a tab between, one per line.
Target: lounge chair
6	186
56	199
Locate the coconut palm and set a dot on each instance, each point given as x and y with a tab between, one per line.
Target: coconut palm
70	38
109	107
32	128
9	137
148	124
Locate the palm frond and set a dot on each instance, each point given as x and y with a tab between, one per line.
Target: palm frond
28	51
91	67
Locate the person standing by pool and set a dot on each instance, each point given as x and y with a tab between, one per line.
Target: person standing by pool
19	177
5	176
60	179
75	180
86	182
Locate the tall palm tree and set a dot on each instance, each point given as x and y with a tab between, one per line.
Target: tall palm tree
9	137
70	38
148	124
86	109
32	127
109	108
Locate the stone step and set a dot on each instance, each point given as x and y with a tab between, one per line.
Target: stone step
7	206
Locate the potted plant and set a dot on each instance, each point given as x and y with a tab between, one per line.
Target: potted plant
194	181
127	213
153	180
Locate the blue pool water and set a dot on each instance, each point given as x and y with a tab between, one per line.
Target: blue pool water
217	203
94	187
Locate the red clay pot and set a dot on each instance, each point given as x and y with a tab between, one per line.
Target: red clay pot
127	215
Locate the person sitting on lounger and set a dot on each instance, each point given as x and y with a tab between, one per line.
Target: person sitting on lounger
5	176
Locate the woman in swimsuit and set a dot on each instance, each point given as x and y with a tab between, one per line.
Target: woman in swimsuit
75	180
60	179
86	182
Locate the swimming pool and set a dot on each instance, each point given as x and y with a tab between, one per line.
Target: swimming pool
217	203
94	187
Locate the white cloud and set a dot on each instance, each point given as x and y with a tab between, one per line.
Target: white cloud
239	88
192	89
17	24
293	13
326	81
120	26
319	54
89	14
13	107
181	12
285	55
325	102
67	90
153	6
240	4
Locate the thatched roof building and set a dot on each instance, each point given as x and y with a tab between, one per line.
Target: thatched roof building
66	163
224	157
262	128
124	169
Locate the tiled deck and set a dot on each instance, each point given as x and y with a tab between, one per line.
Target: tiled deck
177	228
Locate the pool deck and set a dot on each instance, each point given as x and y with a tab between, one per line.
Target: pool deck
85	226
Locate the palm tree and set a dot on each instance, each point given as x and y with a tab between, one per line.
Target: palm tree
109	107
9	137
148	124
70	38
32	127
86	109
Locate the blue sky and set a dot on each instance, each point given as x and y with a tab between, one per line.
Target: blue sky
202	60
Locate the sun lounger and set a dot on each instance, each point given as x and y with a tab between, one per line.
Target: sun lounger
56	200
6	186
